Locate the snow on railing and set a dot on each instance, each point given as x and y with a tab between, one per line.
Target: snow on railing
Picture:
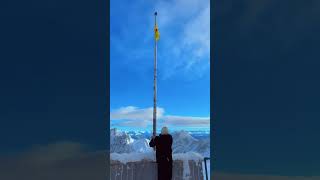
185	165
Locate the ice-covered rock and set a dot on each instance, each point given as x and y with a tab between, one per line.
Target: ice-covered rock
141	146
120	142
183	142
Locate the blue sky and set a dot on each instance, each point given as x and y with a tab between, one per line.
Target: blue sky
183	63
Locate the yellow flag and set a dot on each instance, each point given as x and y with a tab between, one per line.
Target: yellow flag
156	33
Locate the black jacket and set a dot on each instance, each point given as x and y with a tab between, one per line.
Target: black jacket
163	145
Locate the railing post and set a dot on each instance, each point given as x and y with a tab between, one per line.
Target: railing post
205	166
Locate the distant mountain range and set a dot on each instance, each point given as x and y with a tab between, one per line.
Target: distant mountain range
183	141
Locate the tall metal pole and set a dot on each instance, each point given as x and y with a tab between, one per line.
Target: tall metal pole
155	82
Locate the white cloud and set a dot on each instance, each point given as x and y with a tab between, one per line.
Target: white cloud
134	123
188	21
197	33
132	116
184	46
187	121
171	12
134	113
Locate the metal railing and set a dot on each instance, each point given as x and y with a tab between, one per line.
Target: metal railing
205	166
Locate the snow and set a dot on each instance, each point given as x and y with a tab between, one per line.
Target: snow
132	157
120	142
134	146
208	169
183	142
150	156
187	156
141	145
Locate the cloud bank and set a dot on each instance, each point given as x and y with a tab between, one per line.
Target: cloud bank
131	116
187	121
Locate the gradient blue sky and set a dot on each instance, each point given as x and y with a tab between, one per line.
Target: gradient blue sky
183	63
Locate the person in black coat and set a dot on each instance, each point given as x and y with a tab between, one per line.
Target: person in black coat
163	144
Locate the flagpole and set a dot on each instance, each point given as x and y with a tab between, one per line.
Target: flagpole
155	82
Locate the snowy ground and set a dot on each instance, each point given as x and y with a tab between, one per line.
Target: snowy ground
134	146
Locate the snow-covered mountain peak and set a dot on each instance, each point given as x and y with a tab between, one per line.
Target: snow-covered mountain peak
120	141
183	141
183	136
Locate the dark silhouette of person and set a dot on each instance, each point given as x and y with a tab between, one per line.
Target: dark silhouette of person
163	144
